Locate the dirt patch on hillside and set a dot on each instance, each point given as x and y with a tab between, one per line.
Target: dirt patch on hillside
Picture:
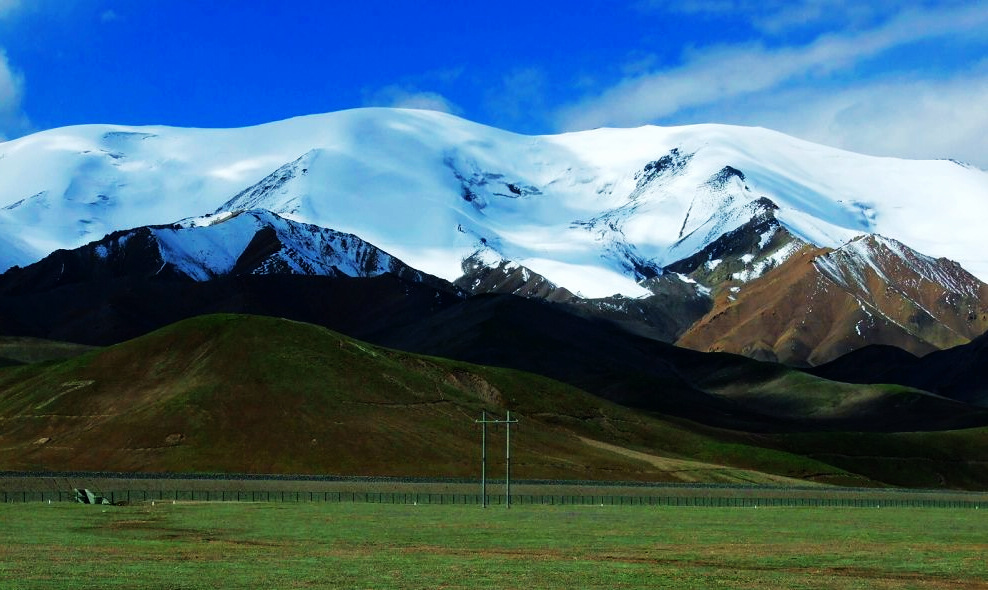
695	471
475	385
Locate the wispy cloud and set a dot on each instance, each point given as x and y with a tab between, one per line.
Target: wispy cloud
728	72
778	16
109	15
19	14
406	97
910	118
11	84
832	72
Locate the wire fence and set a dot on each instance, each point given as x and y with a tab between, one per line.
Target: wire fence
416	498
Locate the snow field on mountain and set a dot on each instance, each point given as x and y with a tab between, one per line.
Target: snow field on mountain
431	189
826	195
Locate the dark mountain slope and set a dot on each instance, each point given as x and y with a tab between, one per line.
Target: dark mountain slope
720	389
111	311
959	373
878	363
545	339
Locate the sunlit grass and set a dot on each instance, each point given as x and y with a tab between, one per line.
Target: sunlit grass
232	545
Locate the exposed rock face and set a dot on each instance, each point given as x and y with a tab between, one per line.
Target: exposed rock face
820	304
486	272
933	299
133	253
676	304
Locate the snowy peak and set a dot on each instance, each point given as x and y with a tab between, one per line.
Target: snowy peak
745	253
934	299
254	242
260	242
275	191
702	213
486	271
854	263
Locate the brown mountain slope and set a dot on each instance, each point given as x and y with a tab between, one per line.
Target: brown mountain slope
934	299
820	304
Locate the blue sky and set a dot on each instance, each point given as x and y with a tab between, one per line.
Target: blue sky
907	78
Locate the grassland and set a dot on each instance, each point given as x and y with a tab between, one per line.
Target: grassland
381	546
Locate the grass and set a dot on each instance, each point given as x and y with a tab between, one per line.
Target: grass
260	395
381	546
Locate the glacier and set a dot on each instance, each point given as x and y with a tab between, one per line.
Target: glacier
593	211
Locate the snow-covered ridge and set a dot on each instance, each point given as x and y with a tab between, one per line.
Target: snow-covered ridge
251	242
206	247
882	256
593	212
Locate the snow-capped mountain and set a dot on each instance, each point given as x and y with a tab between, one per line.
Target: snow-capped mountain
704	210
204	248
591	211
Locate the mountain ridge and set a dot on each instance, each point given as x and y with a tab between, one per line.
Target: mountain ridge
622	223
871	290
435	159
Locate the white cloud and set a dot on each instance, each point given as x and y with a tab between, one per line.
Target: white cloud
779	16
793	15
13	122
824	90
410	98
728	72
909	118
109	16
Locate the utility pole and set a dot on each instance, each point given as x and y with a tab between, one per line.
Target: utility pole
483	456
507	460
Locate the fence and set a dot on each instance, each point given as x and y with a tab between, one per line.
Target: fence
134	496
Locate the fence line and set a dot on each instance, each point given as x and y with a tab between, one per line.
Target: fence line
134	496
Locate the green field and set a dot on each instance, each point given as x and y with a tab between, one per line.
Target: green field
233	545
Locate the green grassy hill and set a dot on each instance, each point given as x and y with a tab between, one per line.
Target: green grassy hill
228	393
16	350
253	394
